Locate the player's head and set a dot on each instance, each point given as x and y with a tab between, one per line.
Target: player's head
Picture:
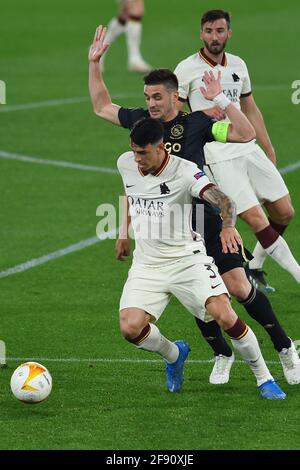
147	144
161	93
215	30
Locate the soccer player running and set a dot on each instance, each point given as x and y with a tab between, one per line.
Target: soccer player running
255	176
185	135
129	21
170	259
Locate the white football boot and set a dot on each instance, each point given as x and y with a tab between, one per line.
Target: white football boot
221	370
291	364
139	65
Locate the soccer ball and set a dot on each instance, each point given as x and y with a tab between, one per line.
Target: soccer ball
31	382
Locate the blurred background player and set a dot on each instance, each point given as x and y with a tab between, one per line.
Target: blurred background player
254	172
129	21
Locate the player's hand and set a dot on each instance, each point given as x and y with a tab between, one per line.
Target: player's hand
215	113
212	84
98	47
122	248
230	239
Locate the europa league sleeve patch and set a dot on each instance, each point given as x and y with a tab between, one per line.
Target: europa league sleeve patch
199	175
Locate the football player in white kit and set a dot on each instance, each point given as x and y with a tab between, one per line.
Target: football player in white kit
170	258
243	172
129	21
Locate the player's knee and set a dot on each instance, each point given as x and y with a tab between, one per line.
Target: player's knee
239	290
287	215
220	309
130	328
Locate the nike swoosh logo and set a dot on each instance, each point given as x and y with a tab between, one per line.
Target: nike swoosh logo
213	287
129	185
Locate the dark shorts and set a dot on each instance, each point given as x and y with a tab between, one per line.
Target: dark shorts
224	261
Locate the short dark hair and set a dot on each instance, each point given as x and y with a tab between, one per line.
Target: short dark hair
212	15
162	77
147	131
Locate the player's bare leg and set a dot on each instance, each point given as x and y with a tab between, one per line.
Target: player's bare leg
135	12
245	342
136	327
274	245
129	21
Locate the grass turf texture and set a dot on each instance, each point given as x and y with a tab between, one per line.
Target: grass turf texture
68	308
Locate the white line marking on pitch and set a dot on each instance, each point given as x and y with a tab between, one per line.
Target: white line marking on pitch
61	163
60	102
290	168
56	254
78	166
116	360
83	99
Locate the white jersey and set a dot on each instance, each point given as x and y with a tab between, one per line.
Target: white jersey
160	206
235	83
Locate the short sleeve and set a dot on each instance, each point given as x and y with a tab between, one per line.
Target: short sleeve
246	88
129	116
183	83
196	180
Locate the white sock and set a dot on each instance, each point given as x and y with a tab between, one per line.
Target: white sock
249	349
281	253
259	257
114	30
156	342
133	36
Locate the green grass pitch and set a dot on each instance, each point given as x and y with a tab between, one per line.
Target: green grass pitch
106	394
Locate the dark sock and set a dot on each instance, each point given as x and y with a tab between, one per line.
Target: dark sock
135	18
212	333
259	308
122	20
280	228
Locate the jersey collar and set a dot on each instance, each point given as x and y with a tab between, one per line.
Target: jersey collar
211	62
161	168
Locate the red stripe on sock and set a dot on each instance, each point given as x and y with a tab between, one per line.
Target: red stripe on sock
267	236
135	18
122	20
143	335
238	330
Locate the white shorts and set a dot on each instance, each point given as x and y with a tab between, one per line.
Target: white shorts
248	180
192	280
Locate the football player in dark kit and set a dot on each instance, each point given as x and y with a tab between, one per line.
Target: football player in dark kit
185	136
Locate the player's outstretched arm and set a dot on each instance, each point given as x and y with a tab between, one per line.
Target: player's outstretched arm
230	238
253	113
101	100
240	129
